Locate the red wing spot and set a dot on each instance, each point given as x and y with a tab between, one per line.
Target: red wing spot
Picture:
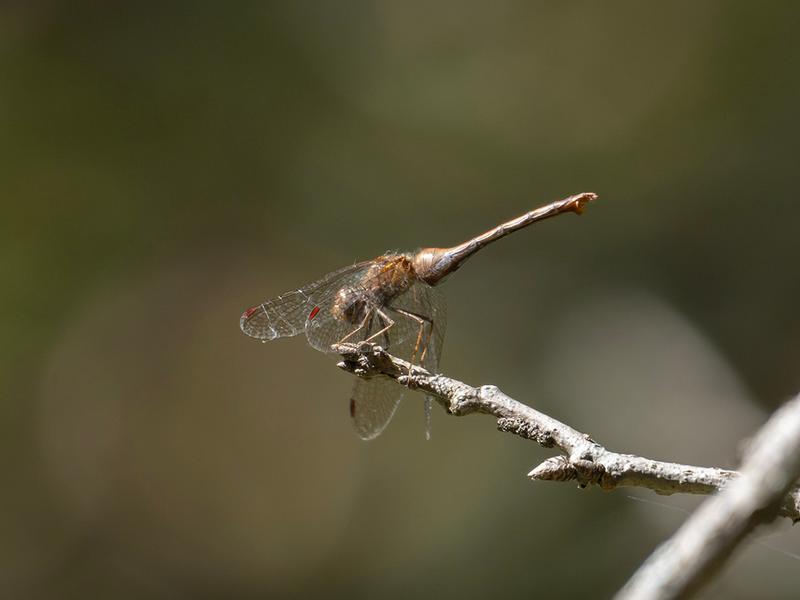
352	408
314	312
249	312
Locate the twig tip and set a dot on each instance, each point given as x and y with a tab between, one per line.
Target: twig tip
556	468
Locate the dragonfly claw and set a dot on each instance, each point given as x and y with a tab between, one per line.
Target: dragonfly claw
410	381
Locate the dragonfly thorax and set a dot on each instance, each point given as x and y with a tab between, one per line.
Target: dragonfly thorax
389	276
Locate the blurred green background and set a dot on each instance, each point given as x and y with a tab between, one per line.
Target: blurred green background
163	167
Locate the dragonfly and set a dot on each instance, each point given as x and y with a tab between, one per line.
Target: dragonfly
390	300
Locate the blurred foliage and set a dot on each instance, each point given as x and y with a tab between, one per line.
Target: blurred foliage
164	166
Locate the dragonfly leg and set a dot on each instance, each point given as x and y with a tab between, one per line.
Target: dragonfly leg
386	339
422	320
368	317
384	319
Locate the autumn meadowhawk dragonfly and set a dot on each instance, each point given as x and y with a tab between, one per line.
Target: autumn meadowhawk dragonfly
390	300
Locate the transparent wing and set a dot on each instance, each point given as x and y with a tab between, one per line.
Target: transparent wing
323	328
373	404
425	300
416	335
287	314
420	316
431	360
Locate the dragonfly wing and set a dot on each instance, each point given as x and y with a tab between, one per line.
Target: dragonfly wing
288	314
375	400
373	404
283	316
437	308
427	304
323	329
434	349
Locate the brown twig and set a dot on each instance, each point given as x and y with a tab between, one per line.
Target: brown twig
683	564
584	460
